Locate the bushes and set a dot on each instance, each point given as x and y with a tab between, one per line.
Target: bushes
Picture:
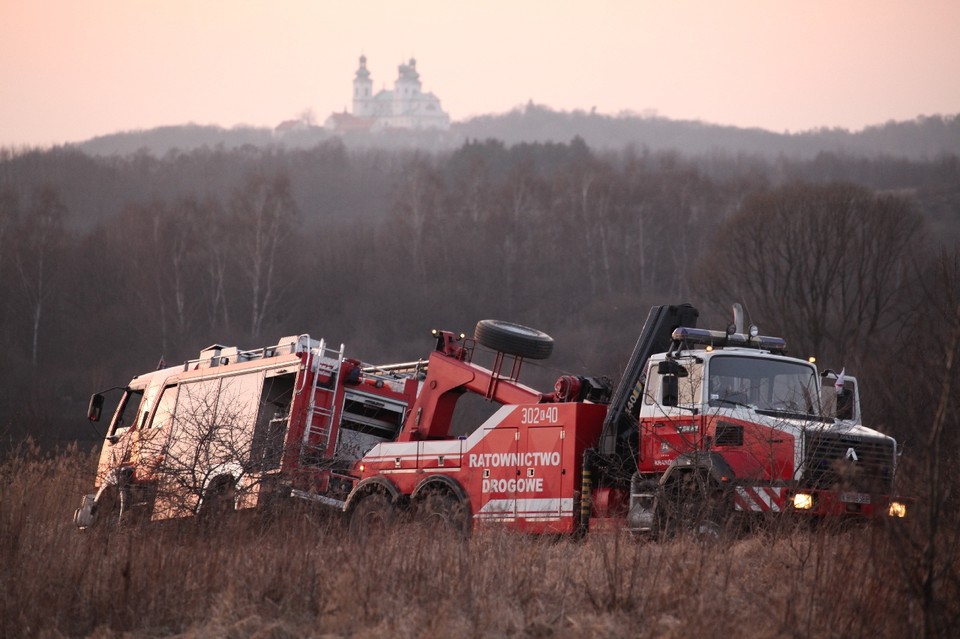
298	573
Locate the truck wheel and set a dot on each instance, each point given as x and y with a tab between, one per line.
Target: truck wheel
694	505
513	339
374	514
106	513
713	520
219	499
708	531
440	510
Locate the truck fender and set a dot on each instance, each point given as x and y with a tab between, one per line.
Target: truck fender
368	485
444	482
704	511
441	502
222	475
714	463
117	479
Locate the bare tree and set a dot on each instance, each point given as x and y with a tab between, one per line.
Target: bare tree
9	213
930	539
418	198
39	244
265	213
172	248
825	263
213	230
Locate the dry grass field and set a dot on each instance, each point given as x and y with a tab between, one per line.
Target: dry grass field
298	574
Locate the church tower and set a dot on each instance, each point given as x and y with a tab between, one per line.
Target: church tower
408	80
362	90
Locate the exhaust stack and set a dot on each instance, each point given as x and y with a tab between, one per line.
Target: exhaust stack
737	318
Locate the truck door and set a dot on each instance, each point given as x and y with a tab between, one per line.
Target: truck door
541	494
668	424
132	445
117	445
153	436
496	474
211	436
273	417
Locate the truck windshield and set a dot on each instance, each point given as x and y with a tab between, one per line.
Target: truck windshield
763	384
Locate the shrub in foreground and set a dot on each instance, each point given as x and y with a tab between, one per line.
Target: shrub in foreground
298	573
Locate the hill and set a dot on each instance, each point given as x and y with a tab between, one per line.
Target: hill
923	138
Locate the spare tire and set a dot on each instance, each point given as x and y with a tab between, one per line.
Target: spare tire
513	339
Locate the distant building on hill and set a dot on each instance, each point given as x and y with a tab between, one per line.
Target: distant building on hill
406	107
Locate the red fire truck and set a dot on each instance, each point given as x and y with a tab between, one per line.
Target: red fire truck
706	428
239	428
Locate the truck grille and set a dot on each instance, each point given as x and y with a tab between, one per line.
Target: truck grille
846	462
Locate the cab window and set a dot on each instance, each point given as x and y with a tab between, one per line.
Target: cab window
164	412
126	415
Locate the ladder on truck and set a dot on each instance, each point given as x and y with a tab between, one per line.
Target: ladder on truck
319	420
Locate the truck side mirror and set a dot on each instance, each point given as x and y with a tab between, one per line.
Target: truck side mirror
95	408
671	367
844	404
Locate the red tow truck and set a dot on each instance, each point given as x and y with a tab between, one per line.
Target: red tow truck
705	427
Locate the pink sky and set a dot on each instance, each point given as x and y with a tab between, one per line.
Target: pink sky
71	70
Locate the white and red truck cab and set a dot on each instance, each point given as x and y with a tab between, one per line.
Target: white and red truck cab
745	425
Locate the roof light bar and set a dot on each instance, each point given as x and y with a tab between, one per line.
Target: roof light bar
719	339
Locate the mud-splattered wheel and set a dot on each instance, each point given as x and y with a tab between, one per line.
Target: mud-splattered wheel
513	339
219	500
375	513
440	510
693	504
107	512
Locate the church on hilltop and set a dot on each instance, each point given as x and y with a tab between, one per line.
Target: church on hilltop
406	107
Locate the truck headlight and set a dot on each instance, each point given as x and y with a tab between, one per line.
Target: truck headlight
803	501
897	509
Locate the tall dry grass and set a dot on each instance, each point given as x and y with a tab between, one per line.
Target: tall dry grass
297	574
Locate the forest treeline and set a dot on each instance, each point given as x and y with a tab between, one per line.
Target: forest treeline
110	264
925	137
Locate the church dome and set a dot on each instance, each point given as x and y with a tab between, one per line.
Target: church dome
362	73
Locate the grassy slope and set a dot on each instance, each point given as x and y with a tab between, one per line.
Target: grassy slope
299	575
